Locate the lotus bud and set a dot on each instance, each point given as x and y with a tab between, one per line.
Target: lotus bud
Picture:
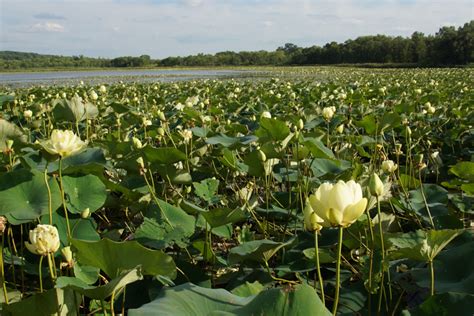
376	185
261	156
137	143
102	89
161	116
312	221
67	255
419	158
9	143
161	131
3	224
140	162
398	149
300	124
266	114
86	213
340	129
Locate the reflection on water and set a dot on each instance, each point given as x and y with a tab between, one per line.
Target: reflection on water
99	76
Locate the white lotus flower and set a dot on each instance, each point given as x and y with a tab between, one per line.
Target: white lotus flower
63	143
389	166
93	95
28	114
328	112
179	107
187	135
339	204
44	239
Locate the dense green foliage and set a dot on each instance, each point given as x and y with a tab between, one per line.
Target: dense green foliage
449	46
190	197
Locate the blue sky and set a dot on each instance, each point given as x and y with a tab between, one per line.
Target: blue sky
161	28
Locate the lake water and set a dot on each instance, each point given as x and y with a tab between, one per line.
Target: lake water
102	76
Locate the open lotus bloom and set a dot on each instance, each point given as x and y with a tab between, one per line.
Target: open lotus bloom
44	239
63	143
339	204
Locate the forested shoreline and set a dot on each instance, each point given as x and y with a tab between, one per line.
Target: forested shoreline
450	46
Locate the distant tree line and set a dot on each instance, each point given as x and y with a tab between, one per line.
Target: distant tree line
449	46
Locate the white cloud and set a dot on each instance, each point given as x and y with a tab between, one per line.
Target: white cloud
162	28
268	23
47	27
194	3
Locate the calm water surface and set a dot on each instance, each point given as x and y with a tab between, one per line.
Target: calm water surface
98	76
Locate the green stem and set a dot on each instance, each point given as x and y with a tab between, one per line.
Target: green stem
46	182
2	271
41	273
425	201
318	269
112	299
380	228
276	278
153	195
61	188
379	305
432	278
338	272
51	267
327	134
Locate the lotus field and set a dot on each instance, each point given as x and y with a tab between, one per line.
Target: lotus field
315	191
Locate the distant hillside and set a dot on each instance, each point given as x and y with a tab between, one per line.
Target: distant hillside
449	46
21	60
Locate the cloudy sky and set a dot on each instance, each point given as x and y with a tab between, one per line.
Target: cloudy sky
161	28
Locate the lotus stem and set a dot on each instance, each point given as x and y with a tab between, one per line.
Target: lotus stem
50	208
41	273
338	272
112	299
51	267
2	271
432	278
61	188
318	269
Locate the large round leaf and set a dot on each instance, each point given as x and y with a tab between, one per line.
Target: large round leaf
190	299
53	302
84	192
115	257
24	195
99	292
9	131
